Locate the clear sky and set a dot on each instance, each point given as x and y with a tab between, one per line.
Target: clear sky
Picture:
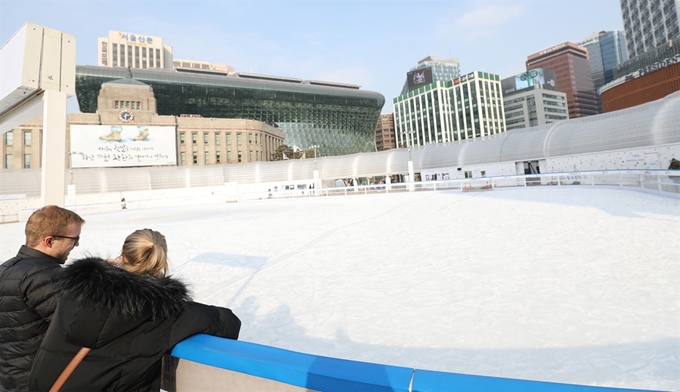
372	43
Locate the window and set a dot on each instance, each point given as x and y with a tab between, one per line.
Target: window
250	138
238	138
27	137
195	158
205	137
217	138
206	157
218	155
181	138
27	161
228	156
139	105
183	158
9	138
194	137
228	138
8	161
115	105
250	157
240	156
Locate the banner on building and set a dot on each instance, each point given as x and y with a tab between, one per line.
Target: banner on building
122	146
419	78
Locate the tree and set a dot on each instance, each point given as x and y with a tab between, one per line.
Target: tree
278	154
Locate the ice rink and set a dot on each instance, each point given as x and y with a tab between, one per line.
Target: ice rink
565	284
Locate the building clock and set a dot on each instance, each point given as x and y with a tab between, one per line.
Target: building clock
126	116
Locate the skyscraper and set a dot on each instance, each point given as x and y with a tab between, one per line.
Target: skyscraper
467	107
570	63
606	50
649	23
442	69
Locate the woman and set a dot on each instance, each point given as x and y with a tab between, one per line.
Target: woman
129	314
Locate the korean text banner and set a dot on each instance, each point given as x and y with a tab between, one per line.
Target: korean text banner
122	146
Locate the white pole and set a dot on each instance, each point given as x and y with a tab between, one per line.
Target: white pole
54	148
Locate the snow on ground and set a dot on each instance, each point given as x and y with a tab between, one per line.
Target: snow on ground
564	284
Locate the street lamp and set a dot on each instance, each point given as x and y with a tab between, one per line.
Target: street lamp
316	170
314	147
70	165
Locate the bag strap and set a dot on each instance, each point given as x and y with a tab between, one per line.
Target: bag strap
69	369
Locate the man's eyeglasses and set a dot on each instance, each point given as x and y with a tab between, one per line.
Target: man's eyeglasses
76	239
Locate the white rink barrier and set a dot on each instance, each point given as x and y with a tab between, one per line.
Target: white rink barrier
656	181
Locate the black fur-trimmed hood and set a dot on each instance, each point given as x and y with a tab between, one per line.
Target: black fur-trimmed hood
100	301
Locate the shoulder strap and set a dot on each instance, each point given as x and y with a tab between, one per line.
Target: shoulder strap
69	369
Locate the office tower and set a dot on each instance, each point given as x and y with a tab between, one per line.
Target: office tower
649	23
436	69
384	132
570	63
606	50
445	111
530	99
121	49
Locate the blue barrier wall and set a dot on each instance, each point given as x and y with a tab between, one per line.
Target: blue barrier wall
333	374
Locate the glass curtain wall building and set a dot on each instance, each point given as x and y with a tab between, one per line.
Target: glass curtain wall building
649	23
444	69
338	118
606	50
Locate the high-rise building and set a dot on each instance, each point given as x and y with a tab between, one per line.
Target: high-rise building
121	49
606	50
530	100
649	23
384	133
570	63
432	69
445	111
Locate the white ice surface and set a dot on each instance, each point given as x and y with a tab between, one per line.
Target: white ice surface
564	284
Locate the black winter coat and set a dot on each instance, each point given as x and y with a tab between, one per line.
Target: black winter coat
129	322
27	301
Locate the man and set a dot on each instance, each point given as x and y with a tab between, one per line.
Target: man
27	293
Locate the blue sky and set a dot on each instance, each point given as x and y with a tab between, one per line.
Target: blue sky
372	43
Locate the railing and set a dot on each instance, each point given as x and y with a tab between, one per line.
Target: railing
651	180
657	181
208	363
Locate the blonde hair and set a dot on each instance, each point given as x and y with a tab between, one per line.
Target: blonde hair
47	221
145	253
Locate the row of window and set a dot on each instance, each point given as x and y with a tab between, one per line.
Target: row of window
129	57
9	161
127	104
253	156
9	137
253	138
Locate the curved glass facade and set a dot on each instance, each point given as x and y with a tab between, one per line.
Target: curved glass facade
339	120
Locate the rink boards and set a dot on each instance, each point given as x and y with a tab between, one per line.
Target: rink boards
208	363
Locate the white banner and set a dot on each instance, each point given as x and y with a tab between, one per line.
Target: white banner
122	146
